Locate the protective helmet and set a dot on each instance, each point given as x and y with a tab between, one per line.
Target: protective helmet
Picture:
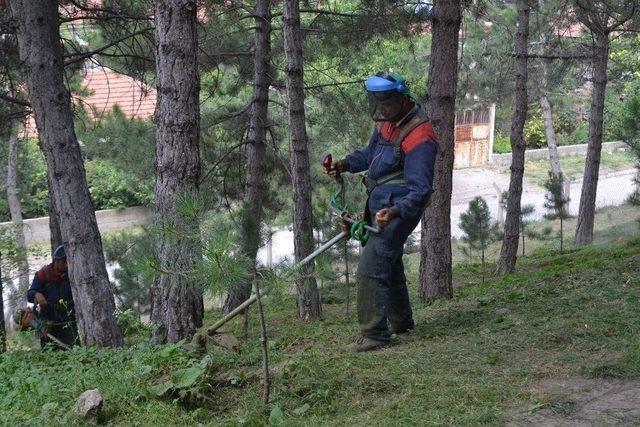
59	252
386	92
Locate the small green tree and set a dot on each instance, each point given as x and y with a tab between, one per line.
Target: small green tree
128	252
525	223
556	203
527	231
478	227
525	212
631	132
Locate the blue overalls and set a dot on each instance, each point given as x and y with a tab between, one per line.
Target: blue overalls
382	285
58	313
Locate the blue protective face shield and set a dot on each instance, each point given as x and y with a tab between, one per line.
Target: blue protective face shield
386	96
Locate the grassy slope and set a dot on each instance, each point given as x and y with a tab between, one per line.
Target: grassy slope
537	171
611	223
471	360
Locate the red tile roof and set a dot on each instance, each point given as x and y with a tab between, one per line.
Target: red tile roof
572	31
108	89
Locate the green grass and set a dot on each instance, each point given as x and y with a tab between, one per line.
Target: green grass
537	171
611	224
469	361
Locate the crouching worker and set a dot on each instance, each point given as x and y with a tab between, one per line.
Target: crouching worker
51	292
399	160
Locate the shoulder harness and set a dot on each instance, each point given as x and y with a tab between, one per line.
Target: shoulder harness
397	176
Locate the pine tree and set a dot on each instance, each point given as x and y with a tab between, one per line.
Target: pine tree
631	134
40	47
555	202
479	229
436	259
602	18
176	303
509	251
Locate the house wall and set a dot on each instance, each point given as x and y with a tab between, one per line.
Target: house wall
563	151
474	137
36	230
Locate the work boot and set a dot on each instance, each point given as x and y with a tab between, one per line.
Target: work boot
393	331
364	344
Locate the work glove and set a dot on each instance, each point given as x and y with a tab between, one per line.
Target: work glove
345	227
385	215
41	300
337	167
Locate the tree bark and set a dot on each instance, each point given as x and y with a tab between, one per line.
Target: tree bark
41	54
254	187
509	251
545	106
55	233
587	208
309	305
3	330
435	259
176	299
15	211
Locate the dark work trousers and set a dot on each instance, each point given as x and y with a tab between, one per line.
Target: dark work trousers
60	324
382	285
67	333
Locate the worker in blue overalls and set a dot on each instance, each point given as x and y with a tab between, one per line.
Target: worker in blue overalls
51	292
399	163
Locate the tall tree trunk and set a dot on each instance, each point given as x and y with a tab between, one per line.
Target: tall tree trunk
3	330
309	305
55	233
435	259
254	181
545	106
561	233
509	251
586	211
16	213
41	54
176	300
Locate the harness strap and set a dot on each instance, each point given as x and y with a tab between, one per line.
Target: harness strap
415	121
397	177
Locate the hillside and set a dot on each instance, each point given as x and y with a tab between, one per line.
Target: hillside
556	341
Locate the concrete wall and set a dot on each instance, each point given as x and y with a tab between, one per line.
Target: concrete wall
563	151
36	230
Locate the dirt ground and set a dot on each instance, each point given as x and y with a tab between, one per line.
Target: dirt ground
582	402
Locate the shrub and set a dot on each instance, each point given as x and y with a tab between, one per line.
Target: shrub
501	144
534	135
580	135
112	187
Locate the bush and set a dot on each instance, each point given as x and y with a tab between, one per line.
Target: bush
534	135
118	154
111	187
580	135
501	144
33	191
614	110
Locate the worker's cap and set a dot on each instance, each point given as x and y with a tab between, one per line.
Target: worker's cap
59	252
